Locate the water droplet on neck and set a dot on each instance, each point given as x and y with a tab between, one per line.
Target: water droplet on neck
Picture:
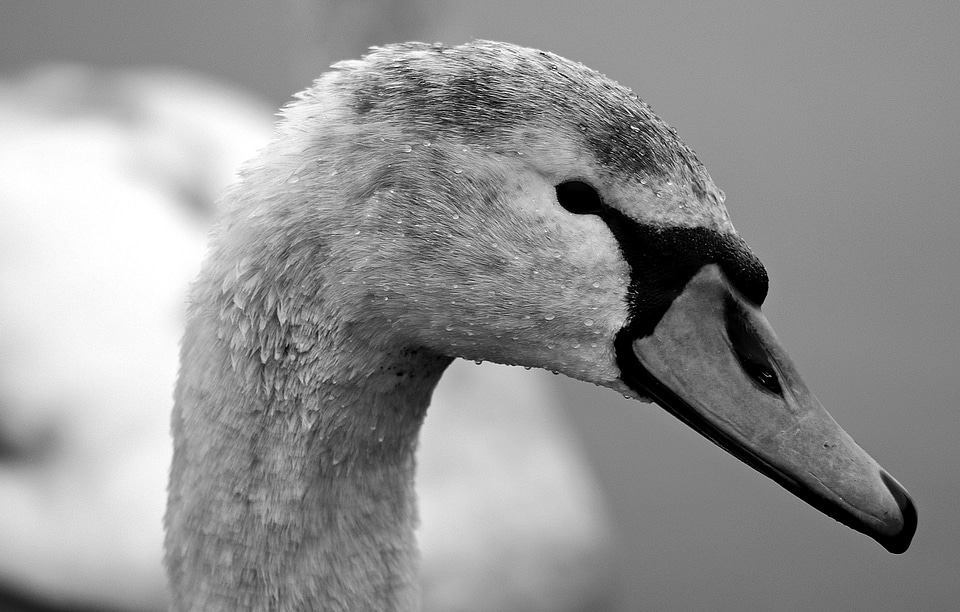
635	128
588	322
549	317
407	148
457	170
294	178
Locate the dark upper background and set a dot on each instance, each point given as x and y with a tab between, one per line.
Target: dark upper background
833	129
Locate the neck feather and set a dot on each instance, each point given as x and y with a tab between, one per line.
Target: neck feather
293	469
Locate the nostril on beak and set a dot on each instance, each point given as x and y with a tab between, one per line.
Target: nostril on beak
908	511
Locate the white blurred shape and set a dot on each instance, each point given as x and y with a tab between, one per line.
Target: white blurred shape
511	518
106	180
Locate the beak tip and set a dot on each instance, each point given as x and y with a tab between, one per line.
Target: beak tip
899	542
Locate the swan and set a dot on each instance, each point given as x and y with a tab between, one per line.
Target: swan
487	202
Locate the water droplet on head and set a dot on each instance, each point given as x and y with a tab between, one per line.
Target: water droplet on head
426	143
635	128
457	170
595	284
549	317
643	181
588	322
407	148
294	178
659	194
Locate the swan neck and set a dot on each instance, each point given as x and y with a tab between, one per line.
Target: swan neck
292	480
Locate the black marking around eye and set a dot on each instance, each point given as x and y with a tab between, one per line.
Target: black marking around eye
662	261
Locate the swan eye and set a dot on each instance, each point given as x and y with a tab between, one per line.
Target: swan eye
579	198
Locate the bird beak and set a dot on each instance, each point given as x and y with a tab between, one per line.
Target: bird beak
714	362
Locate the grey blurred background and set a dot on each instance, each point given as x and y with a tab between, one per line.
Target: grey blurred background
833	129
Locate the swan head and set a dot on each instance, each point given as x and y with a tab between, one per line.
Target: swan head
499	203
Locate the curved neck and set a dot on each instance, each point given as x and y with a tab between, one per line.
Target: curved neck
292	478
